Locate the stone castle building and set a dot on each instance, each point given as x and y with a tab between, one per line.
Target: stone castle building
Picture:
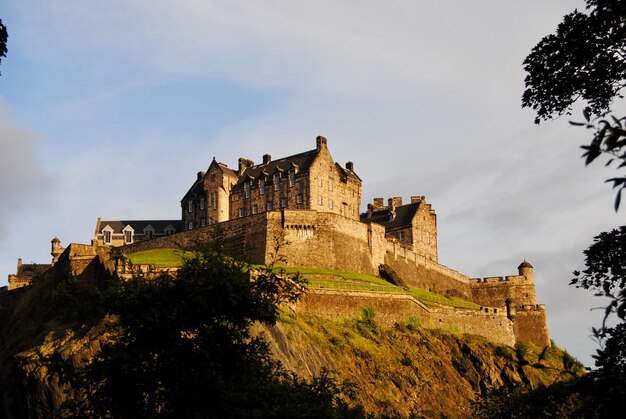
310	205
309	181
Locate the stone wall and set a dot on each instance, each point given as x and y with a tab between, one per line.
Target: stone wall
494	291
420	272
391	308
531	324
244	238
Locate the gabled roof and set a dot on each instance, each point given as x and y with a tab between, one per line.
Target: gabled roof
403	216
302	161
140	225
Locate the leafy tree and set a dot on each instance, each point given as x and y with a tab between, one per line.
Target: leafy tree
4	36
605	275
585	59
186	350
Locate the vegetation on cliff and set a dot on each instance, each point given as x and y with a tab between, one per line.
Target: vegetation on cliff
212	342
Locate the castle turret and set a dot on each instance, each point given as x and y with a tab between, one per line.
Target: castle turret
526	269
56	250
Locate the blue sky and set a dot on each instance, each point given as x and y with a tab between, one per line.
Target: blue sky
109	108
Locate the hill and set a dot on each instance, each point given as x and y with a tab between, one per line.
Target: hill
400	370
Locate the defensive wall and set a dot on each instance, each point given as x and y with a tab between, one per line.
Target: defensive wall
304	238
326	240
390	308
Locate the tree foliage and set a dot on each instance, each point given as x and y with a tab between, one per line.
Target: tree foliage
4	37
605	275
584	59
186	350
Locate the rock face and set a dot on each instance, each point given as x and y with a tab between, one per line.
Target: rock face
406	370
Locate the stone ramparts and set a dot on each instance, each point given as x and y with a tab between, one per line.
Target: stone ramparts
391	308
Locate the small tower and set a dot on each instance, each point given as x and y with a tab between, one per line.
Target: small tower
526	269
56	250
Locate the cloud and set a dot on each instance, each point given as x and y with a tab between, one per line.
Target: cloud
24	186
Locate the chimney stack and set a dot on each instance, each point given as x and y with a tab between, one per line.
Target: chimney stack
378	203
244	164
266	158
320	142
200	175
394	202
415	199
350	166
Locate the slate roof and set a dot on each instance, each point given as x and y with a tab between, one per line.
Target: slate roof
302	161
404	215
139	225
198	188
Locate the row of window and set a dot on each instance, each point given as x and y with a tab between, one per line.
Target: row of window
107	235
212	202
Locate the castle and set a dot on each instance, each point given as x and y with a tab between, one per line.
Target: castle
309	204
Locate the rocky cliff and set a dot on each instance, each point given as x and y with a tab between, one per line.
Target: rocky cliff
400	371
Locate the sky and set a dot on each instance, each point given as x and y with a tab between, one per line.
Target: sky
109	108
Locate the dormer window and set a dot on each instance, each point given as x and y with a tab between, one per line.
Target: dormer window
262	186
107	234
292	178
148	232
247	188
128	234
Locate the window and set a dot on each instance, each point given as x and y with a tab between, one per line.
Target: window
330	203
269	205
202	222
247	186
320	200
241	213
262	186
292	178
189	226
277	181
190	206
319	181
330	184
299	199
128	236
210	199
214	200
428	237
352	210
255	209
283	202
202	202
107	236
401	235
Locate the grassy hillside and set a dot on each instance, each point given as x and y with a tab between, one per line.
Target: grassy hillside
317	278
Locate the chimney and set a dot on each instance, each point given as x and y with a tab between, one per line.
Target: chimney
19	265
370	209
200	175
350	166
266	158
244	164
394	202
378	203
321	142
415	199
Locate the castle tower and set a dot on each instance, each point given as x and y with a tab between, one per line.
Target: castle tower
526	269
56	249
